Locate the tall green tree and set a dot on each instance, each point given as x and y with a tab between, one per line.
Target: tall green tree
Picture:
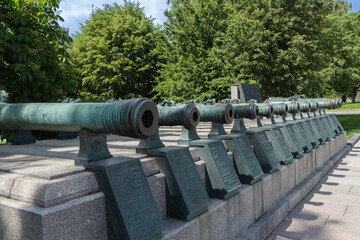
115	54
191	30
341	48
274	43
34	62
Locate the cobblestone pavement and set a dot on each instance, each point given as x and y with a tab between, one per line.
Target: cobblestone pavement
332	209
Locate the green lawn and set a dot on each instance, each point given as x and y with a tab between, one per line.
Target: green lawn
351	124
348	106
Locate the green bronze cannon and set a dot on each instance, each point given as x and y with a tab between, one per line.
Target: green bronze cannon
241	111
136	118
187	116
216	113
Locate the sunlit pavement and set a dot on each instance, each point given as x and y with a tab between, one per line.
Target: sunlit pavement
332	209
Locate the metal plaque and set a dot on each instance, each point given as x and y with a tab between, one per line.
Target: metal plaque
245	162
130	207
269	162
249	91
297	145
303	134
221	178
186	197
316	135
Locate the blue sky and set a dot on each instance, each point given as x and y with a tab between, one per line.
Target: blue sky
76	12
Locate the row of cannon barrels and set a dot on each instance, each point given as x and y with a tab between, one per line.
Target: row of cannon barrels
140	118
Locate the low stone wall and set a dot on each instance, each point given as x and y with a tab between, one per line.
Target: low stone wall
53	199
259	208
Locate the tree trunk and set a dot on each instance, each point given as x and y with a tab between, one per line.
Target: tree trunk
343	98
354	93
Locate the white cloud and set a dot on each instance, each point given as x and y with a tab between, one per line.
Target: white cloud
76	12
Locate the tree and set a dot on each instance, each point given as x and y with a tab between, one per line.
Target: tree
341	47
115	54
191	30
274	43
34	62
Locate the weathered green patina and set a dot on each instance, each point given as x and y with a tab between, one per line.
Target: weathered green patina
137	118
187	116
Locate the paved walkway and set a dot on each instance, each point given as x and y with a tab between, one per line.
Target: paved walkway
332	209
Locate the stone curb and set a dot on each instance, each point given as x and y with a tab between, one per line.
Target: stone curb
268	222
352	141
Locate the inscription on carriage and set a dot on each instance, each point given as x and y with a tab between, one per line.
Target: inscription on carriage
324	126
303	134
331	126
268	149
282	142
189	182
321	130
140	216
293	137
250	158
223	164
312	132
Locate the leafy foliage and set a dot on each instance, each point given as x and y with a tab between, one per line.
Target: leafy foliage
115	54
278	44
341	47
34	62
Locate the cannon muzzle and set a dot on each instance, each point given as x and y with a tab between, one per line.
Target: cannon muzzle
305	107
280	108
246	110
137	118
314	106
265	110
222	113
187	116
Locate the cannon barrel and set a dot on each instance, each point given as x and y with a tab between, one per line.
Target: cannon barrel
265	109
293	106
222	113
305	107
137	118
246	110
187	116
325	104
314	106
280	108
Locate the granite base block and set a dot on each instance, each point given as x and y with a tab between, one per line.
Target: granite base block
82	218
234	216
332	147
247	212
6	182
261	229
287	178
213	223
46	193
300	169
321	153
308	162
200	165
257	197
311	162
157	187
178	230
270	188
